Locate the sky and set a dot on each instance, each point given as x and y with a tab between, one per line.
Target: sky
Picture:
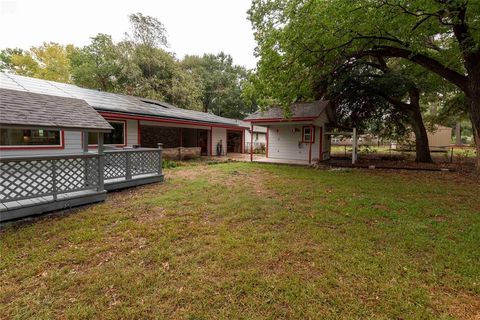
193	27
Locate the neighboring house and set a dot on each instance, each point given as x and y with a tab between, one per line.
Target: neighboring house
301	136
136	122
439	139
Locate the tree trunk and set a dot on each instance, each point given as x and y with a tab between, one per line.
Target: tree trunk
474	110
458	134
422	149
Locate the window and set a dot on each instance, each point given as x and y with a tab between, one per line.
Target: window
115	137
256	136
308	134
30	137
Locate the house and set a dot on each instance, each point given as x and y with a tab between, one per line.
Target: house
136	122
63	146
32	185
299	134
439	138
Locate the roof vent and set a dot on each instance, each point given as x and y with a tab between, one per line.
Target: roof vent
154	103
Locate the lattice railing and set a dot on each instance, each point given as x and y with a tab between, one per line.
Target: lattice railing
39	176
31	177
130	163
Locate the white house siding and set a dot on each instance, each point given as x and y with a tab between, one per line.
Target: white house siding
217	135
284	142
72	143
132	132
258	137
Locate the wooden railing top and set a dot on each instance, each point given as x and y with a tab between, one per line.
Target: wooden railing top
48	157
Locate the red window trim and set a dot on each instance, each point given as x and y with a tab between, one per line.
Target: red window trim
46	147
125	131
312	128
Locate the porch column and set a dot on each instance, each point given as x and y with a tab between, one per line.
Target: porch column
251	141
181	144
85	141
101	162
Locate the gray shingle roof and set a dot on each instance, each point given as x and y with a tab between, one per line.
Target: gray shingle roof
298	110
106	101
21	108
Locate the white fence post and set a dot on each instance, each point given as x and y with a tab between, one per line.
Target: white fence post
354	146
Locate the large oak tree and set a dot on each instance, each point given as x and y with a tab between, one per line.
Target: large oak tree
300	41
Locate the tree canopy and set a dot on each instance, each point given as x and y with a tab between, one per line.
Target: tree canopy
302	42
140	65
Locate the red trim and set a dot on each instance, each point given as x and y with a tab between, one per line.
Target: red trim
312	140
320	146
138	133
266	149
61	146
155	119
281	119
125	131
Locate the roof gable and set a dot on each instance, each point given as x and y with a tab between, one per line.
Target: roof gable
28	109
304	110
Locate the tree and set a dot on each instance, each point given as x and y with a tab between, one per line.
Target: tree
48	61
299	41
18	61
96	65
222	84
374	96
147	31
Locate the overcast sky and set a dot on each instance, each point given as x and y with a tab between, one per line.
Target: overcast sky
194	27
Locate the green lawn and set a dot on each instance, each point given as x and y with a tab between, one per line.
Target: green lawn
254	241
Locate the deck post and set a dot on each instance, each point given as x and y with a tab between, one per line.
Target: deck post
128	166
160	161
101	162
85	150
54	180
85	141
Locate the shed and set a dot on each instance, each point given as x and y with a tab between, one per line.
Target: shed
298	133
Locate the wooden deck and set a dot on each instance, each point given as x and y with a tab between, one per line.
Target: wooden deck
35	185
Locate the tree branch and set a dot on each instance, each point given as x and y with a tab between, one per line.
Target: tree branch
429	63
